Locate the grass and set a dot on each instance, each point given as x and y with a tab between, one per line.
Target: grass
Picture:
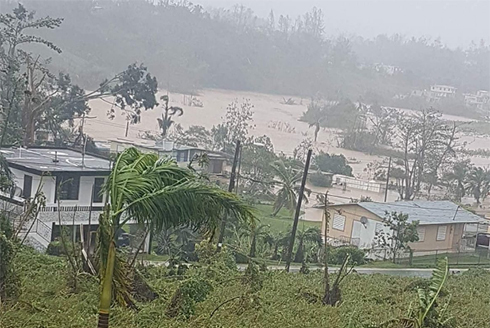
49	300
283	221
462	260
153	257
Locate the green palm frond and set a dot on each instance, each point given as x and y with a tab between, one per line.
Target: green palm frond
437	281
157	193
149	189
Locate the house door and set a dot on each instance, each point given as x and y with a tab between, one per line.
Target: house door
356	233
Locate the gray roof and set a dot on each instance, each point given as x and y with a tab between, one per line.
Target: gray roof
38	160
426	212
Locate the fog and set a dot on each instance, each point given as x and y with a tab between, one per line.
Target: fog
456	22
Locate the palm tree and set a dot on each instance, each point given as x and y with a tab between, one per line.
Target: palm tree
255	232
313	235
157	193
288	179
275	241
459	176
479	183
166	121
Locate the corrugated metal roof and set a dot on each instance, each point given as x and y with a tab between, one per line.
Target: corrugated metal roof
426	212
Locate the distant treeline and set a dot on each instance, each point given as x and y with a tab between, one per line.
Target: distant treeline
188	48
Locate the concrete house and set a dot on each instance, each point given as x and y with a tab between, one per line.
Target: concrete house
70	181
182	154
443	225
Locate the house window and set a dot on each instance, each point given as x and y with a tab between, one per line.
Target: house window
441	233
186	156
421	233
68	187
338	222
378	229
98	190
178	156
27	189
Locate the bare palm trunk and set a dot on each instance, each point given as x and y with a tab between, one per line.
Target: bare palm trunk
106	294
274	213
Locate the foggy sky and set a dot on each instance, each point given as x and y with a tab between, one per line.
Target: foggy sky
456	22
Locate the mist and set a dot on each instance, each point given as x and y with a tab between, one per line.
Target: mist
456	22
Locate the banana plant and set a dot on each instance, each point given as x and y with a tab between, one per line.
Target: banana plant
427	313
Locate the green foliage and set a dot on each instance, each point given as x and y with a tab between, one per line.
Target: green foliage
401	233
341	115
335	164
9	284
304	268
337	255
166	121
427	312
55	248
190	292
319	179
367	299
206	253
256	156
288	179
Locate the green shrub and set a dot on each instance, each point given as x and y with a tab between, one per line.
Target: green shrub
55	248
189	293
338	254
320	179
240	257
206	253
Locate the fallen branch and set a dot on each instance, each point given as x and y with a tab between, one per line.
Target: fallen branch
224	303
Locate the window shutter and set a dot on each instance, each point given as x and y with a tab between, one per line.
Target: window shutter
441	233
338	222
421	233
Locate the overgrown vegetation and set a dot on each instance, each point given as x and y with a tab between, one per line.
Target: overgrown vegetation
280	302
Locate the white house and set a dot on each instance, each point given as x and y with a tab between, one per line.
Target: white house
437	92
70	181
480	99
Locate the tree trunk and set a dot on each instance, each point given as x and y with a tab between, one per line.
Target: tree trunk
106	293
253	246
276	250
299	256
274	213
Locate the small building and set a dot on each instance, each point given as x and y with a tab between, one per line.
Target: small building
443	227
479	100
437	92
347	182
182	154
71	183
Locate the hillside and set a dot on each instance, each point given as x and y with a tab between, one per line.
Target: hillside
188	49
49	299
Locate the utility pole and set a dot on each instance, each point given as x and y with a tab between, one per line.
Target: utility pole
387	179
298	211
231	186
89	239
326	215
127	129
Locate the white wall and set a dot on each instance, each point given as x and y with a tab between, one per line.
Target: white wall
49	188
84	194
368	232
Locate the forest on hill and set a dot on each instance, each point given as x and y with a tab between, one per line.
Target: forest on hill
188	48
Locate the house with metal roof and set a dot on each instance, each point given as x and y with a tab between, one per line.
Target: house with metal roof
71	183
443	226
182	154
